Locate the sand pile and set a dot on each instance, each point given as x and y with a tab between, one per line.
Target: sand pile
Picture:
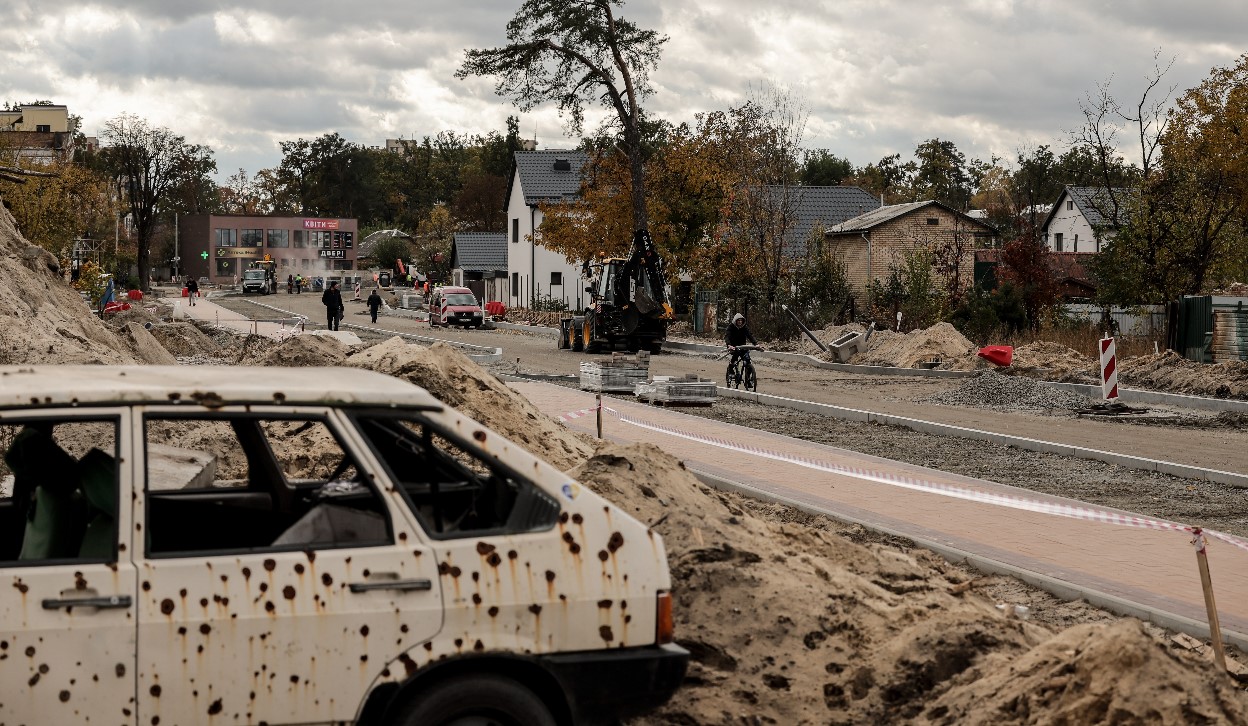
45	320
1001	392
457	381
299	350
1169	371
184	339
144	346
1055	362
789	624
1088	674
906	350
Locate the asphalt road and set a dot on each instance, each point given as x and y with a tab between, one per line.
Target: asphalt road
1217	448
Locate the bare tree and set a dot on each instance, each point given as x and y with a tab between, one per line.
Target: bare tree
146	164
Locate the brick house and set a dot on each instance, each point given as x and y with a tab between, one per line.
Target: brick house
872	242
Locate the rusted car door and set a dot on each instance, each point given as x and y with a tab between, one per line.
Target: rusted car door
67	615
238	624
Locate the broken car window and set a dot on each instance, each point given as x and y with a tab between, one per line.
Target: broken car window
454	488
244	482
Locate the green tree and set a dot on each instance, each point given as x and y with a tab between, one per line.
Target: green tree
576	54
821	167
941	174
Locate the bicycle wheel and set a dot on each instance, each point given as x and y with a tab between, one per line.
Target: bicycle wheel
732	374
751	381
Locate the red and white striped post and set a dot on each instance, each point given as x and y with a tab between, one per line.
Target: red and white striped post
1109	369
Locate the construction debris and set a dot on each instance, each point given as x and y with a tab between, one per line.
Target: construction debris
1001	392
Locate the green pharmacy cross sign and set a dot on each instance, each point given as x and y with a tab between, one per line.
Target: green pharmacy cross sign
204	254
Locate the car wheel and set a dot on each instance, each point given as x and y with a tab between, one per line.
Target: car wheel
476	700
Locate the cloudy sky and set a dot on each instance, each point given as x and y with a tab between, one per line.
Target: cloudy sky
878	76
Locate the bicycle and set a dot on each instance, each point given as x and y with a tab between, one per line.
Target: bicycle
741	370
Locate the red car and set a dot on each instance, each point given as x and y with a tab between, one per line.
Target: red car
455	306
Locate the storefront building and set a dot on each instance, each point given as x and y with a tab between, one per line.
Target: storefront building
221	246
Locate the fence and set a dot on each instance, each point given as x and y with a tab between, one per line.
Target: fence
1144	320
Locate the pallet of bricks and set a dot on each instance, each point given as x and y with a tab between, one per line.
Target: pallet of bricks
620	373
687	390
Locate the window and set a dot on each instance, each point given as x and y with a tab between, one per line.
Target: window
278	238
343	240
246	483
1074	247
305	264
285	262
515	284
58	491
515	230
1057	242
43	128
301	239
452	487
226	237
556	278
225	268
251	238
933	221
1070	204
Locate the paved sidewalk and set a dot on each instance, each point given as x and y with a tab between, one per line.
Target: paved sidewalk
1153	569
208	312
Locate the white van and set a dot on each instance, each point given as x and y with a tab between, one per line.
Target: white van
194	544
256	281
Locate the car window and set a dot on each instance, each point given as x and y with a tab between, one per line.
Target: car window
58	491
227	483
460	298
454	488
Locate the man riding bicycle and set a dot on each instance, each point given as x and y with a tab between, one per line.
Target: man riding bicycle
737	335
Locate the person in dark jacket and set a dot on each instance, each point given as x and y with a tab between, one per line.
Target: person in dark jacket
374	304
192	289
332	300
737	335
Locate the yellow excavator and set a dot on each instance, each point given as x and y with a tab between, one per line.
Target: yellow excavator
628	307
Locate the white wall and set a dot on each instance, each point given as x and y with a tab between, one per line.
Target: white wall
1077	235
533	264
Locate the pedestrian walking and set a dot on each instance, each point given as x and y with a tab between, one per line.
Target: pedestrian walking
290	284
332	300
192	289
298	284
374	304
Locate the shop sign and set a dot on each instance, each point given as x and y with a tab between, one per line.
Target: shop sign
320	224
250	253
334	254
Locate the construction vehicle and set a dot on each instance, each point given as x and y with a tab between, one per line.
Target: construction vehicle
628	307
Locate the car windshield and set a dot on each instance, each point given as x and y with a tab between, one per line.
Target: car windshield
254	275
461	298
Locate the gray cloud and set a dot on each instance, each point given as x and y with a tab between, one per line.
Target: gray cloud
879	76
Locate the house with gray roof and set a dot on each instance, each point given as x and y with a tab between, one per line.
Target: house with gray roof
871	243
534	272
1084	218
479	263
820	207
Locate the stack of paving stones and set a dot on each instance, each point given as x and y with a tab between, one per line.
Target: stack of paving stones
996	391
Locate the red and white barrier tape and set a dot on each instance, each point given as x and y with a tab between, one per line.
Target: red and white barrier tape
1057	509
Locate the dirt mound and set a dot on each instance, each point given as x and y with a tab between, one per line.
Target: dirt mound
44	319
145	347
906	350
1169	371
184	339
796	624
299	350
456	380
1094	673
1055	362
139	312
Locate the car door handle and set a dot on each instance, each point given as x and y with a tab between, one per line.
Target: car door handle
400	585
105	602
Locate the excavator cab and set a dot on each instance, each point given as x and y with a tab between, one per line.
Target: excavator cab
628	303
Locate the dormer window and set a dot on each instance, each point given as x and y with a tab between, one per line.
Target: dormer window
563	165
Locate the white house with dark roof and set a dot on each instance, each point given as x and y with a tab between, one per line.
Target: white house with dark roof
479	263
1083	218
548	175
